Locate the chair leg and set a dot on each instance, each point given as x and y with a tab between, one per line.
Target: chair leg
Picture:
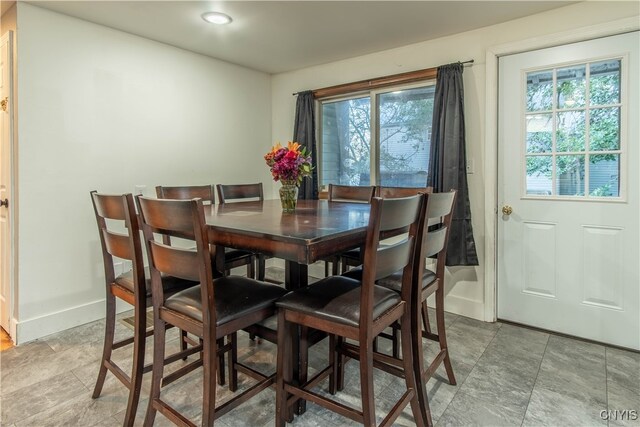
220	363
395	342
251	268
233	362
340	367
411	339
209	352
261	267
425	317
137	370
158	367
442	335
303	352
284	371
335	264
109	332
183	342
366	384
333	361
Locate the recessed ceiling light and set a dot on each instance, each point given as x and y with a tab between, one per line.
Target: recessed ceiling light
216	18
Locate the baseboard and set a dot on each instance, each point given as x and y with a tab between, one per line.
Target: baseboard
461	306
38	327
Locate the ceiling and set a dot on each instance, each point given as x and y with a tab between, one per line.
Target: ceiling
279	36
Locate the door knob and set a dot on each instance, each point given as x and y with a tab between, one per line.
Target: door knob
4	202
4	103
506	210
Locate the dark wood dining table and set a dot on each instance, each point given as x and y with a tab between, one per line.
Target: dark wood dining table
316	230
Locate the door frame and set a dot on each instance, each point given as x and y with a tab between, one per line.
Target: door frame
492	57
11	209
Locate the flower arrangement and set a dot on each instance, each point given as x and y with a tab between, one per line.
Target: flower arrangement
289	164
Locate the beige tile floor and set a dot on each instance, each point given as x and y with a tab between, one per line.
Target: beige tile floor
507	375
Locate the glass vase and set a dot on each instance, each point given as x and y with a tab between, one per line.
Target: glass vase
288	196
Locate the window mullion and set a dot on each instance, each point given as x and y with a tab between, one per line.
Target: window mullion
374	141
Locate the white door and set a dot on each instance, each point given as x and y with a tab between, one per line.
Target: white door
568	233
5	181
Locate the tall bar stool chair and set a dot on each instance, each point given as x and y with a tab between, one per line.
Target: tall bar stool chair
134	287
229	193
352	194
232	257
435	235
346	308
211	310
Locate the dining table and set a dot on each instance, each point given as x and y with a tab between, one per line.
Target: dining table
316	230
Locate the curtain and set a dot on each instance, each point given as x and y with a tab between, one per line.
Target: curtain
304	133
447	161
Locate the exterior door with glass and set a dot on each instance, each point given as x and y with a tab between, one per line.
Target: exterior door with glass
568	190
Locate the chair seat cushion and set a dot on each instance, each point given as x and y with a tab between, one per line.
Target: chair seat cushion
235	297
170	284
393	281
337	299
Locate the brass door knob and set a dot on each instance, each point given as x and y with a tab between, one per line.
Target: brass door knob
506	210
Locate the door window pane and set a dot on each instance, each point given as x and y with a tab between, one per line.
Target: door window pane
405	134
570	175
571	86
540	91
604	175
539	170
605	82
346	134
604	129
570	131
539	133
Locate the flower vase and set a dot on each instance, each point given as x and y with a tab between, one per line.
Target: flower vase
288	196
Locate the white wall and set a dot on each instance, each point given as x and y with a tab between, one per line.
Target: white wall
465	287
105	110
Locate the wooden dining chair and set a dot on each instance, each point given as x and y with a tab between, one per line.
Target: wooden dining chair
356	310
434	232
230	193
214	309
351	194
119	232
232	257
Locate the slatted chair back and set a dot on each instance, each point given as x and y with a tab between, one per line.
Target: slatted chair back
184	218
349	193
186	192
396	192
388	216
113	213
435	230
236	192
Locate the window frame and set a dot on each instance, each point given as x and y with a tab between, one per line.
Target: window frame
622	151
373	94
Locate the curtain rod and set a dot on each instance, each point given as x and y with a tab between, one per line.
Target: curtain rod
395	79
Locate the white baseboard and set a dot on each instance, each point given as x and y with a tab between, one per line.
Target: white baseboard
38	327
462	306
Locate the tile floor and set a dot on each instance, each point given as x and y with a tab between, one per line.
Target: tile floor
506	375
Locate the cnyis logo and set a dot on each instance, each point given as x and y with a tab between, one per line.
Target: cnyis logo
619	415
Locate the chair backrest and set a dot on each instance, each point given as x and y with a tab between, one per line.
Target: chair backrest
396	192
185	219
349	193
237	192
387	216
118	212
186	192
435	231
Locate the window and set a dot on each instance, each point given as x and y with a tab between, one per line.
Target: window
377	138
572	141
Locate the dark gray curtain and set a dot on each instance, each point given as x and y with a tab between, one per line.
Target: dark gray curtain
447	162
304	133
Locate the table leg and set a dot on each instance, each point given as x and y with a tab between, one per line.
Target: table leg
295	277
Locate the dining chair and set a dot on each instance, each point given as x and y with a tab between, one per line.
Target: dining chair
357	310
229	193
435	231
120	237
212	310
352	194
232	257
